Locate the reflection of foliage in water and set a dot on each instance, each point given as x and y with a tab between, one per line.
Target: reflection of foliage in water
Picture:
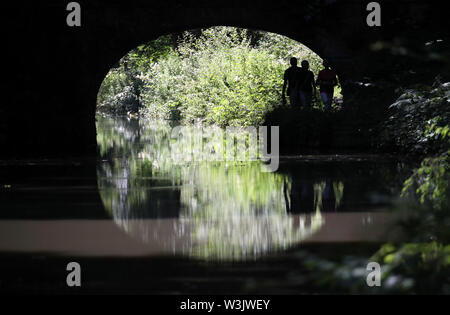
320	190
232	210
222	75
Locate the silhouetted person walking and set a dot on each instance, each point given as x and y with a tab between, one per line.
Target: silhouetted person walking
307	85
291	81
327	80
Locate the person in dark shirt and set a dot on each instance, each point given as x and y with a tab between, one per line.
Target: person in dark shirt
327	80
291	81
307	86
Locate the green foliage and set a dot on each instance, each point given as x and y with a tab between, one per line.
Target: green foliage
430	183
224	76
117	93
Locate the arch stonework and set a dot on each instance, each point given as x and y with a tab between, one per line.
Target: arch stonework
55	71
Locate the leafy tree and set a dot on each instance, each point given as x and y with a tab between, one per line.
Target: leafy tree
220	75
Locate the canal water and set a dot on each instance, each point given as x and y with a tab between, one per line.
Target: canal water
139	220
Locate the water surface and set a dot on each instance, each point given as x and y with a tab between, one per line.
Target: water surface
133	206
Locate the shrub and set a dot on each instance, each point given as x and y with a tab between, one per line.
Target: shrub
223	76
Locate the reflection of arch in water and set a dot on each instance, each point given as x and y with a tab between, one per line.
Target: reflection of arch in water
207	210
235	228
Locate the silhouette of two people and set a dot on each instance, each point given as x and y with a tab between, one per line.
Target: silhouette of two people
299	84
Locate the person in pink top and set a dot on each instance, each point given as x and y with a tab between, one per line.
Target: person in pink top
327	80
